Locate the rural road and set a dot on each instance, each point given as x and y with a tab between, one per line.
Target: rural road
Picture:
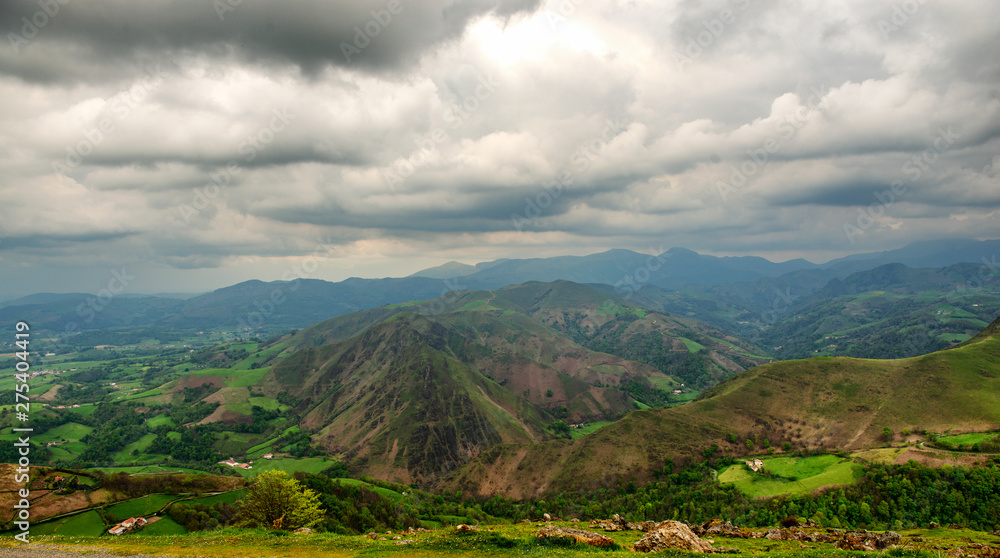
37	551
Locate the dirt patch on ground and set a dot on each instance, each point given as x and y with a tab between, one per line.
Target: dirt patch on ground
193	380
222	414
937	458
228	396
51	504
51	394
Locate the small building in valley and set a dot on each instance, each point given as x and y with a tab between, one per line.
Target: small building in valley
755	465
127	526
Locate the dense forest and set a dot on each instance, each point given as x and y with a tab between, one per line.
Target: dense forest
886	497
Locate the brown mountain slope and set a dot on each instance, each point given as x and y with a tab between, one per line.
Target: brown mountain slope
812	403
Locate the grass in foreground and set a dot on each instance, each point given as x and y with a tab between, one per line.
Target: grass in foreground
495	540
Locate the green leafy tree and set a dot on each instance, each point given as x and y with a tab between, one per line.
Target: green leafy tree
277	501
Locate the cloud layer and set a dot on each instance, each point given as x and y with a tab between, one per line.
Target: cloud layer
205	143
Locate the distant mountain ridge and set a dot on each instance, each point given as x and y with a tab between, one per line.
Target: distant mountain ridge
680	266
752	283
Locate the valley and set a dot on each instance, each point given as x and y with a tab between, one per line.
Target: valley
504	404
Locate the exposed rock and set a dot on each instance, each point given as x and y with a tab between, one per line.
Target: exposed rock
863	540
372	536
618	523
552	532
672	534
934	525
547	517
574	520
717	527
776	534
407	541
464	527
303	531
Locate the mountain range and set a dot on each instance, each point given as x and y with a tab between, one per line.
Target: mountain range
412	391
751	284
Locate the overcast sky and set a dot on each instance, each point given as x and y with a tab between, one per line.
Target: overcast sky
196	144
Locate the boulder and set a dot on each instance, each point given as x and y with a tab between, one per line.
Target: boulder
672	534
303	531
618	523
552	532
547	517
863	540
464	527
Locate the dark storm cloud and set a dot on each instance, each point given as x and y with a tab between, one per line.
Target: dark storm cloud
95	38
54	241
432	135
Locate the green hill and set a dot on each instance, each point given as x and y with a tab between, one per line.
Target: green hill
810	404
410	391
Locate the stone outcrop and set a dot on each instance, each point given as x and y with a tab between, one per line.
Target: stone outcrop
718	527
672	534
552	532
618	523
863	540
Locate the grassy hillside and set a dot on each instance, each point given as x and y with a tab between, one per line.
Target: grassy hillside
396	406
808	404
410	391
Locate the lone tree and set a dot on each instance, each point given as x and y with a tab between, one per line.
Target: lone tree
277	501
